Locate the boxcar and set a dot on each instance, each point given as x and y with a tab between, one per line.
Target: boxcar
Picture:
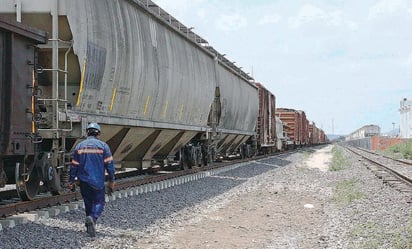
266	123
17	61
296	125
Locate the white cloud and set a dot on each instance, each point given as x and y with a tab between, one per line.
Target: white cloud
386	7
231	22
312	14
272	19
307	14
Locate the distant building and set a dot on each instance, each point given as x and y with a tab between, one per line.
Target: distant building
365	131
405	127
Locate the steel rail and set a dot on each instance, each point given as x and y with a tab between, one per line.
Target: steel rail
392	171
124	180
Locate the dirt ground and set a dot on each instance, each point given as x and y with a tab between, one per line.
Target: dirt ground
263	217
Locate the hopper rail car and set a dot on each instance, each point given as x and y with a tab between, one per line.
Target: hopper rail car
160	92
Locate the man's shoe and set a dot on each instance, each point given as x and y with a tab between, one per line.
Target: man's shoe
90	226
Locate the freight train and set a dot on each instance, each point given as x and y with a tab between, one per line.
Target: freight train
159	91
299	130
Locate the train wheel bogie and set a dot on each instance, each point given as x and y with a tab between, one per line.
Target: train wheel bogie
35	174
27	180
54	178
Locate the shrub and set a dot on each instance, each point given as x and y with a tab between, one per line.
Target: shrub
345	192
402	150
338	160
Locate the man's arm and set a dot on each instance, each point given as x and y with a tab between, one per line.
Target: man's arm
108	163
73	168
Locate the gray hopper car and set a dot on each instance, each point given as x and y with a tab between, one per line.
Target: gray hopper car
160	93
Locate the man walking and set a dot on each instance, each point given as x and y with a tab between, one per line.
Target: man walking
91	158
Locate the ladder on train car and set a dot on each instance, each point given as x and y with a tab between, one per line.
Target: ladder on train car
59	113
55	107
59	103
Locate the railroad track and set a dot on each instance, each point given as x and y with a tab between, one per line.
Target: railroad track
394	172
10	203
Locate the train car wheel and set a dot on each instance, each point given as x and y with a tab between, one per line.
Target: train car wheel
186	158
185	165
52	176
27	180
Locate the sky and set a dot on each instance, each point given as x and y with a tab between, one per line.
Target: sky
346	63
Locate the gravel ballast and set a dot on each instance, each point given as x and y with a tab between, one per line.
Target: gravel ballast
288	201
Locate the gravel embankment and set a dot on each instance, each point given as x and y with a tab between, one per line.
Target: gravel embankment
261	205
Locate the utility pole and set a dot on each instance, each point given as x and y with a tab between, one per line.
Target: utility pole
393	130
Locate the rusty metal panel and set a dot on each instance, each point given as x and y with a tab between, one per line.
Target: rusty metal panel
16	86
304	132
289	118
296	123
36	35
314	134
266	124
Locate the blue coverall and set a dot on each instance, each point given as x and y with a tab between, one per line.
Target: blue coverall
91	158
